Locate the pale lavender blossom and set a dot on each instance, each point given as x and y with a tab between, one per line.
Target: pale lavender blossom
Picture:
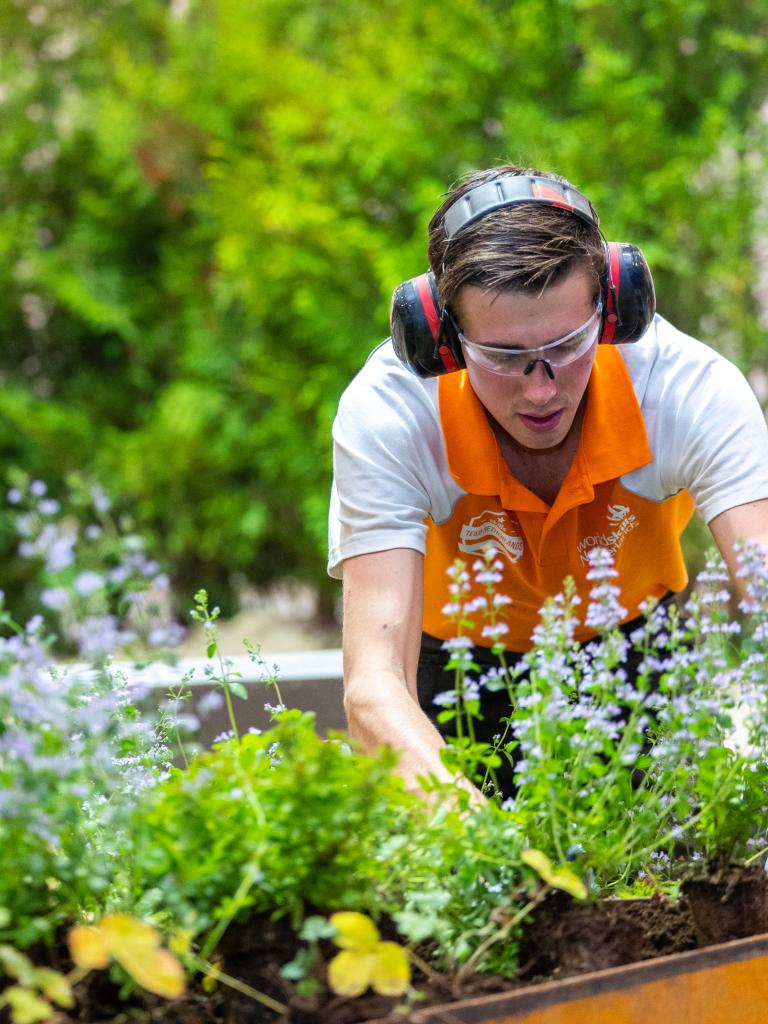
88	582
169	635
119	574
49	507
210	702
55	598
448	698
494	631
60	554
100	635
487	576
100	500
457	643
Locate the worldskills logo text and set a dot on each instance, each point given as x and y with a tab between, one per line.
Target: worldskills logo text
623	519
491	527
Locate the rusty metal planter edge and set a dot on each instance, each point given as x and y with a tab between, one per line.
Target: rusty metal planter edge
724	984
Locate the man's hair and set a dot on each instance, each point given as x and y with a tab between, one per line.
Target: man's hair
516	248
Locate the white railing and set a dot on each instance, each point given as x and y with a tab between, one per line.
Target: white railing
293	667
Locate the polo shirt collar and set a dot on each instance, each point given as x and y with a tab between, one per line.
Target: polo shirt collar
613	438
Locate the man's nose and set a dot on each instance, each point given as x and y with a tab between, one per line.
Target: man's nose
539	385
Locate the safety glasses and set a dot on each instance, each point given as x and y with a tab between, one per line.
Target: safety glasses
500	358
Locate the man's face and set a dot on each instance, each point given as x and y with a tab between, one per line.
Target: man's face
536	411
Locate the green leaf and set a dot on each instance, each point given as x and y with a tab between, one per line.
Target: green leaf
316	927
300	966
17	965
26	1006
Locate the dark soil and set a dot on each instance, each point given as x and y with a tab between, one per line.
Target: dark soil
732	904
562	939
566	938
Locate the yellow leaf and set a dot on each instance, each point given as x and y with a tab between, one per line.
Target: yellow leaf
539	861
569	882
349	973
156	970
55	986
136	946
126	933
88	947
26	1007
355	931
560	878
391	973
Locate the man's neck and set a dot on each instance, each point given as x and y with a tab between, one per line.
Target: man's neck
541	470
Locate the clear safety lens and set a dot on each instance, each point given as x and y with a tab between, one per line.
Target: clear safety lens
500	358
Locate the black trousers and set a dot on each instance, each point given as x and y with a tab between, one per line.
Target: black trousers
433	679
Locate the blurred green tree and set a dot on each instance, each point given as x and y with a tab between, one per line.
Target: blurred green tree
206	205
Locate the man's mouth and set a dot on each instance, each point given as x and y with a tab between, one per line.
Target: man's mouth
542	423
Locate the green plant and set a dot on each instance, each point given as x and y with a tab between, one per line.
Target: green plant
622	774
74	752
278	821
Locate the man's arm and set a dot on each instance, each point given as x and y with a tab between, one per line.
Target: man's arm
383	605
744	522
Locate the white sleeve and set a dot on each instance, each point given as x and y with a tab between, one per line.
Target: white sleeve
390	469
727	444
705	426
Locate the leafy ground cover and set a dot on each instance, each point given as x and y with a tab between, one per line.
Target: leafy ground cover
285	876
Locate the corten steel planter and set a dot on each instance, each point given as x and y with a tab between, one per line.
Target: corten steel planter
726	984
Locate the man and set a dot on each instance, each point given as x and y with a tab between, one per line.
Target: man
550	442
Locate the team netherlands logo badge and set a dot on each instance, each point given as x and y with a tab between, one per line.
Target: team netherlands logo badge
491	527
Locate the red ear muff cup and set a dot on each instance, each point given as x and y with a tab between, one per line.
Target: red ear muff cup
629	297
423	334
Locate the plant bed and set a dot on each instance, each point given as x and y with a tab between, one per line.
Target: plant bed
601	944
286	877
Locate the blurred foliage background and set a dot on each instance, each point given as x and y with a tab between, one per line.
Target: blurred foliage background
206	205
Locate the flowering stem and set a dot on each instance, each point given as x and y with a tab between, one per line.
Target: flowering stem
225	687
201	964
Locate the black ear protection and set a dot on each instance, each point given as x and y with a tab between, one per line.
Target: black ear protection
425	334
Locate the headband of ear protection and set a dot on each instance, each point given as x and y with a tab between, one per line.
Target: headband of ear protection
425	334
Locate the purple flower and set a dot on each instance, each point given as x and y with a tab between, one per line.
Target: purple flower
55	598
210	702
87	583
49	507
